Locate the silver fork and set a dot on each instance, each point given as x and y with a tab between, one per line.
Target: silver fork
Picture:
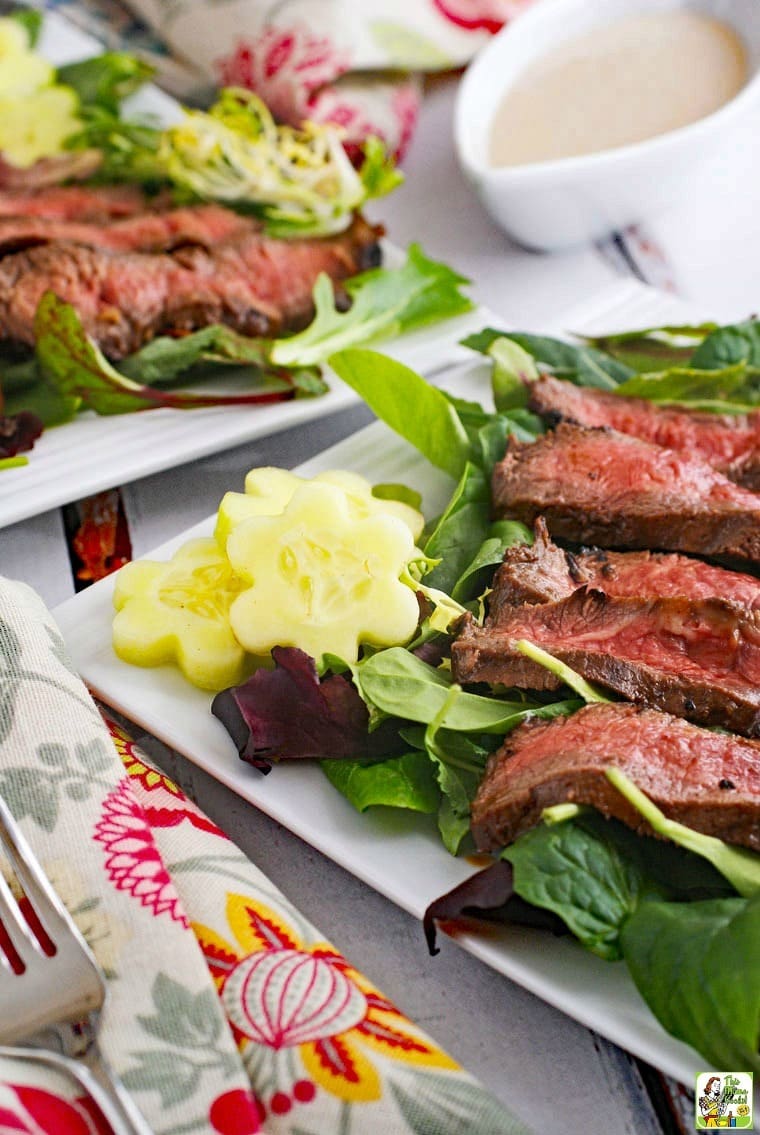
49	977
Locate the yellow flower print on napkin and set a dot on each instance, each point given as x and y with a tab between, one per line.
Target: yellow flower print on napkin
284	994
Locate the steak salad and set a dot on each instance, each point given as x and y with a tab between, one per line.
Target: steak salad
135	257
587	715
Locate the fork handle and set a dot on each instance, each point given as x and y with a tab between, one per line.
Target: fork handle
98	1081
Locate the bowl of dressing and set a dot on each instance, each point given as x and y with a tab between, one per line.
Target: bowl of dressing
584	116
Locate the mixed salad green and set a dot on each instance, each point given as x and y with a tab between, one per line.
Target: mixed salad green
682	911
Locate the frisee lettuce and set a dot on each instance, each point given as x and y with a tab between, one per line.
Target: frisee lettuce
300	181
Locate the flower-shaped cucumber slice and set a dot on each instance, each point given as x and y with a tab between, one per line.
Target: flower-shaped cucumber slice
178	612
322	579
268	491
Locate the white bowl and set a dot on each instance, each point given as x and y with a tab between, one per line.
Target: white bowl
557	204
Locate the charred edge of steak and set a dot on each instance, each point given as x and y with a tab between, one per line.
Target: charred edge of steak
679	766
537	574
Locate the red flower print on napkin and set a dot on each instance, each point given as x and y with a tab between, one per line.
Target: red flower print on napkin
134	863
35	1111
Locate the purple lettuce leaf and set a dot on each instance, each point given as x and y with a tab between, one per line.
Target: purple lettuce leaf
488	896
18	433
289	713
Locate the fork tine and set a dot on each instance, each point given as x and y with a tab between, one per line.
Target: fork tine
45	902
15	926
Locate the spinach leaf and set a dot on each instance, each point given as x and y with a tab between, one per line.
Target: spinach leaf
31	20
460	530
739	865
417	411
401	685
695	964
385	302
579	363
732	389
405	781
459	762
513	368
653	348
584	872
502	534
393	491
724	346
104	80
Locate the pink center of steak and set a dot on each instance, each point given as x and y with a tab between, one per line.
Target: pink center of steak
720	439
710	781
207	225
602	487
699	658
74	202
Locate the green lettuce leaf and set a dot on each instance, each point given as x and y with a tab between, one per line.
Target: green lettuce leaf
696	966
385	303
105	80
405	781
579	363
583	871
417	411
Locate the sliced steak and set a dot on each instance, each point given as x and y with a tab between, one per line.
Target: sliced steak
258	286
597	486
709	781
696	658
728	442
206	225
75	202
544	573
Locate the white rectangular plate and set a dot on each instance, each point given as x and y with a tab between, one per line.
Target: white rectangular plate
94	453
399	855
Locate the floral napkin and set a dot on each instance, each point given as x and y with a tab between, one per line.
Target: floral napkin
227	1010
353	62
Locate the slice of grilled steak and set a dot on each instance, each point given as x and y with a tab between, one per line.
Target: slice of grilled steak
728	442
696	658
206	225
544	573
257	285
597	486
709	781
75	202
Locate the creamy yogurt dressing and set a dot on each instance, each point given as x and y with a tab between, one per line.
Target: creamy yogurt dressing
619	84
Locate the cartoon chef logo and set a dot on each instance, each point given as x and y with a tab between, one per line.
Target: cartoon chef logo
723	1099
